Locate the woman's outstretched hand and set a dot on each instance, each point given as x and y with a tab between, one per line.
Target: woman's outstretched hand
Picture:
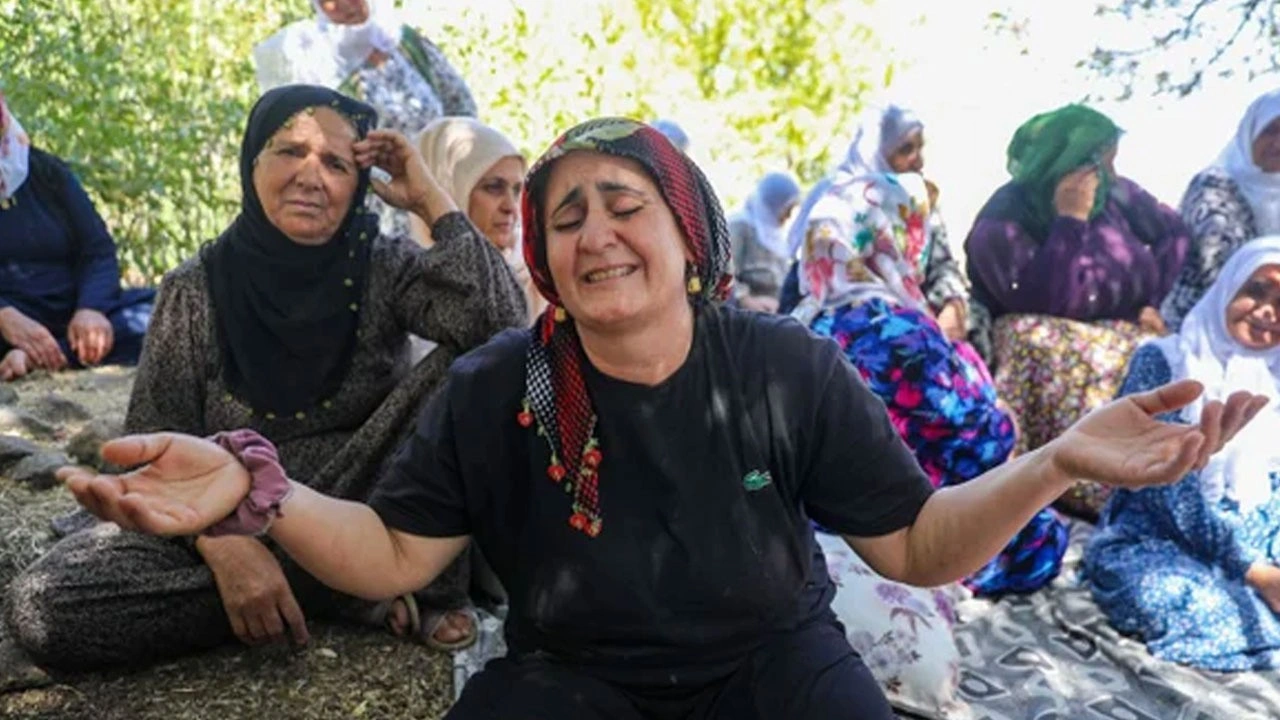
184	484
1123	444
411	186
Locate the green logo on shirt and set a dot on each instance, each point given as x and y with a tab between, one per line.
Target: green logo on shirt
757	480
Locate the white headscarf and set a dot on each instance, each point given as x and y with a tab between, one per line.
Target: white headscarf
459	151
322	52
15	151
881	131
773	194
1261	189
1204	350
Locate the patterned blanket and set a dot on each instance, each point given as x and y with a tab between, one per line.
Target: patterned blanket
1052	655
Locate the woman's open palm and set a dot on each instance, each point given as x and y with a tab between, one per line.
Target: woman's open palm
184	484
1123	444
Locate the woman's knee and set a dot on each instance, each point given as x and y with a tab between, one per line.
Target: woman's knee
32	615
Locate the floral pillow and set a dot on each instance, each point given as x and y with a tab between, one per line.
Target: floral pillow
903	633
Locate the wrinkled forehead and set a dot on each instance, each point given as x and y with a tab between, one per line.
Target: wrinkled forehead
582	168
321	125
1269	273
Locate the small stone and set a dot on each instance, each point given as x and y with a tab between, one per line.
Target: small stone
37	471
13	420
84	446
13	449
8	396
56	409
327	653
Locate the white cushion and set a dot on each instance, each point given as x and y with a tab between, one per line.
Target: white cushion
903	633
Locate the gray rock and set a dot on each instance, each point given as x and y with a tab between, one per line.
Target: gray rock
14	420
83	446
13	449
37	471
8	396
54	408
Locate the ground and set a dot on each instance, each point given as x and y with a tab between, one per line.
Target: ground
344	673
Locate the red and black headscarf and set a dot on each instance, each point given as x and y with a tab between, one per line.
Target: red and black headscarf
556	400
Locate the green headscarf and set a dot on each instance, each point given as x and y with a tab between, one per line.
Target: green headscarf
1053	144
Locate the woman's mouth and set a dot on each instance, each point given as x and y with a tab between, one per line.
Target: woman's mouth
610	273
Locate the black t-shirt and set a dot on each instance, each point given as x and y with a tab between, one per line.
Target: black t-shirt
707	487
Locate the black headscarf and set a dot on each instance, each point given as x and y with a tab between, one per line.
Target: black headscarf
287	313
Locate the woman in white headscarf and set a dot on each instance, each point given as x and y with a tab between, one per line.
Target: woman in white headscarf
891	140
761	254
363	49
483	171
1192	567
1230	203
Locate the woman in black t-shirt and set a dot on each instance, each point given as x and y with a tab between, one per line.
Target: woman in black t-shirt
648	493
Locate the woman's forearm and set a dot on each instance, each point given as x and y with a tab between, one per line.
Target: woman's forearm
960	528
346	546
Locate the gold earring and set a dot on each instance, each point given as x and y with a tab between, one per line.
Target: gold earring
559	314
695	285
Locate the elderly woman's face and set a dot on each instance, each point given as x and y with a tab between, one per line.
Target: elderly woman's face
1266	147
346	12
306	176
1253	317
908	156
494	204
615	252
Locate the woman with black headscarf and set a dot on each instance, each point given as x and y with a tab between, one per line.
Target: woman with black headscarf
294	322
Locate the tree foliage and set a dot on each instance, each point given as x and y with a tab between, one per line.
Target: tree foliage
147	98
1188	41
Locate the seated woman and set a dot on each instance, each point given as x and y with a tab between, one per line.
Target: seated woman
363	48
60	299
1068	262
891	140
761	255
1191	568
1229	204
294	322
484	173
642	468
860	273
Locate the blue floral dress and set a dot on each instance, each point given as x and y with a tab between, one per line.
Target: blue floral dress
943	404
1168	566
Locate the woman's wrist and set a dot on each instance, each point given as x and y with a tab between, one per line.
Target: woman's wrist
1050	468
269	486
434	204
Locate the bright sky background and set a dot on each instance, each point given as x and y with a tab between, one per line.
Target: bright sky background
973	87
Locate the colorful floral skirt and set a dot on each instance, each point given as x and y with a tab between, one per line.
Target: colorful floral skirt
1051	371
942	402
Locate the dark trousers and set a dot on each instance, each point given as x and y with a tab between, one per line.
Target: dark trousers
809	674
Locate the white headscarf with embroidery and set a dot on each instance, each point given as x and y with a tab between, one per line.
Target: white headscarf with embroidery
882	131
1204	350
15	151
866	238
1261	189
321	52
